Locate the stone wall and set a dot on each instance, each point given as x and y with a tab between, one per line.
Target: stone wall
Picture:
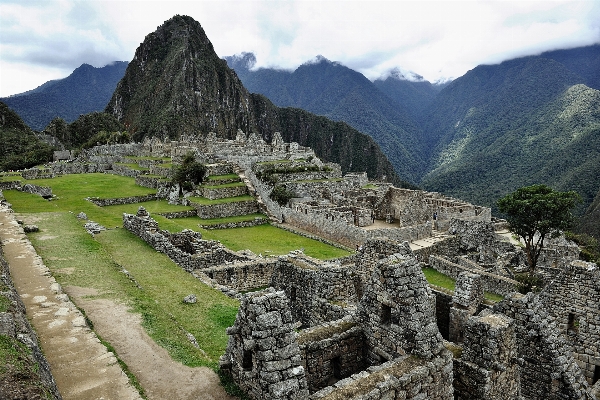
573	299
317	291
244	275
468	294
548	369
487	368
407	377
187	249
443	302
18	333
122	200
208	211
263	355
491	282
331	352
216	192
397	311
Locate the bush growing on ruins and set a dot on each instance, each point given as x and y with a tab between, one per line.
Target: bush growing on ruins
537	212
281	195
189	173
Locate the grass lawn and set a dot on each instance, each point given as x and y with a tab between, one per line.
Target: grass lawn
438	279
207	202
78	259
223	177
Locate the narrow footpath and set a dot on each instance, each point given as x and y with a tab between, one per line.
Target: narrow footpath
81	365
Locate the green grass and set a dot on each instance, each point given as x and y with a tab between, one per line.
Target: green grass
226	185
206	202
153	207
226	220
77	259
438	279
223	177
72	190
270	240
133	166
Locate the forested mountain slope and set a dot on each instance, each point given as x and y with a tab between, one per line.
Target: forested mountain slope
525	121
342	94
86	90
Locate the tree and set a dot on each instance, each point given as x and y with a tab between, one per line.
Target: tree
189	173
536	212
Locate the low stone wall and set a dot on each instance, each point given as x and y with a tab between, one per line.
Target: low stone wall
16	329
122	200
331	352
216	192
179	214
37	173
243	276
491	282
9	185
219	169
186	249
404	378
242	224
165	172
43	191
62	168
125	170
226	209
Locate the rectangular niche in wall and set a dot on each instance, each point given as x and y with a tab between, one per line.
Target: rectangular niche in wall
386	314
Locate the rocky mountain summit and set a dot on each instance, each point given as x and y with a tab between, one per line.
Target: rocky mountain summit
177	85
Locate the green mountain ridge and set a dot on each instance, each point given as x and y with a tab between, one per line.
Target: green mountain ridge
86	90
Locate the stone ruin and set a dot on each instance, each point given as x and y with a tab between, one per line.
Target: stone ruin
368	326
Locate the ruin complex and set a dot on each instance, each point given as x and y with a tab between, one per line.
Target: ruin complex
367	326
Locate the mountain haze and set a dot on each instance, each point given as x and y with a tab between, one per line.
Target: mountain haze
86	90
177	85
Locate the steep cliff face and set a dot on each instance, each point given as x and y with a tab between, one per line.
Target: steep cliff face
176	84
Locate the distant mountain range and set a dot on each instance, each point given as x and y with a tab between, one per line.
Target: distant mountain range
86	90
529	120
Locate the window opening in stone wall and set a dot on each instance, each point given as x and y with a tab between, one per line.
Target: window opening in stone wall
247	360
386	314
292	294
596	377
573	323
336	365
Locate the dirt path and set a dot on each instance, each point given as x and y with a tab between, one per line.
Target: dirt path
81	365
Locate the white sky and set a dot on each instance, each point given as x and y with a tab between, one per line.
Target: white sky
42	40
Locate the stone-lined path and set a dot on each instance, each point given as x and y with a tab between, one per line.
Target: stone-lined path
81	365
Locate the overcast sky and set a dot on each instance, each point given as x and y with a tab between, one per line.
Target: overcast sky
42	40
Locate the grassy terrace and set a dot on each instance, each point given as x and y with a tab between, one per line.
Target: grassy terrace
133	166
78	259
216	185
438	279
207	202
222	177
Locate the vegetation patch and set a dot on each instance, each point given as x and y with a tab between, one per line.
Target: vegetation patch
438	279
207	202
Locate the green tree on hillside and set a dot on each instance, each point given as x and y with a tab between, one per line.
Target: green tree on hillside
537	212
189	173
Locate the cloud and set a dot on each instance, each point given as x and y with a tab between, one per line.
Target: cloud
434	39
